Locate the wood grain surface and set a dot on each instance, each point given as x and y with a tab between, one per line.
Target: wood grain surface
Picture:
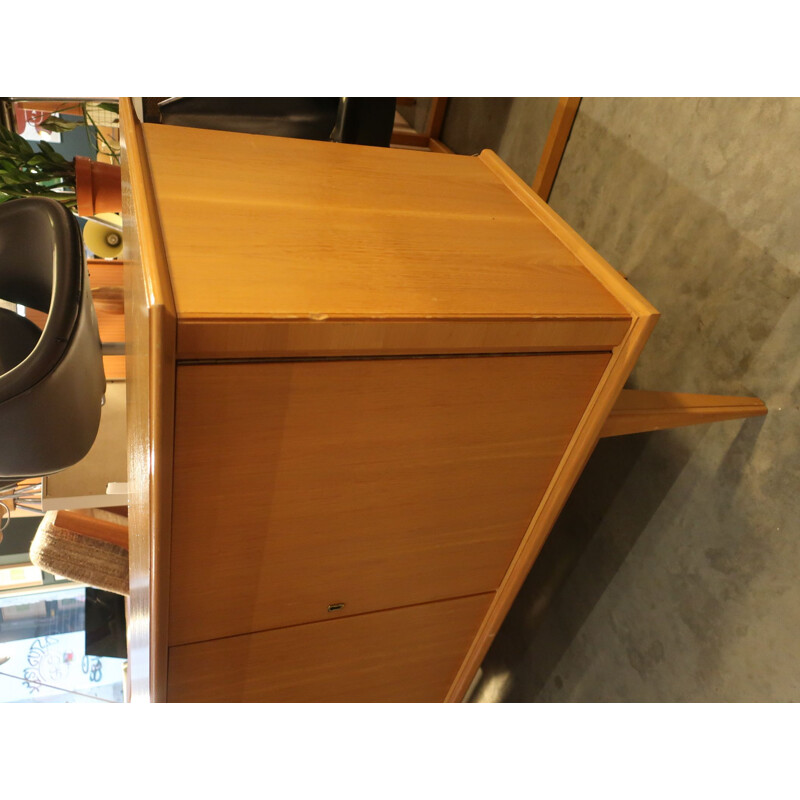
554	147
272	227
638	411
406	655
150	331
373	483
216	339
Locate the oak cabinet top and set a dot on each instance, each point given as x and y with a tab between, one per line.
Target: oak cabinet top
268	227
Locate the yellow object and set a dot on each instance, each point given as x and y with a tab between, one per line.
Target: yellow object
102	240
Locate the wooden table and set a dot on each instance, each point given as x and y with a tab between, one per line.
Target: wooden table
361	384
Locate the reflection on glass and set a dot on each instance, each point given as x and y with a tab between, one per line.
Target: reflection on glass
42	652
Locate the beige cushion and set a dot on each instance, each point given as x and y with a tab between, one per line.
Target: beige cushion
79	557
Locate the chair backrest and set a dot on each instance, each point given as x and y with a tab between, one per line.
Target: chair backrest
365	120
18	337
294	117
51	381
350	120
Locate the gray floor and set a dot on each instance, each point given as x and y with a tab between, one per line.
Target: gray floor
673	573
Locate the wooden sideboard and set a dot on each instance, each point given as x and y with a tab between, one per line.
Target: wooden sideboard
361	384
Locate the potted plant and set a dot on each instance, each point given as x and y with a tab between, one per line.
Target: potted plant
83	185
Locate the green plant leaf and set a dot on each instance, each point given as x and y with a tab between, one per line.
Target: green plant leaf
26	172
58	125
55	157
11	170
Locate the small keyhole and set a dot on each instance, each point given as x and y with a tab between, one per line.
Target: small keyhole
335	606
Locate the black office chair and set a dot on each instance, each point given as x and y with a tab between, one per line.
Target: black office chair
51	381
352	120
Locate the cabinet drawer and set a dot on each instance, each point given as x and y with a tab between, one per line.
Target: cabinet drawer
369	483
403	655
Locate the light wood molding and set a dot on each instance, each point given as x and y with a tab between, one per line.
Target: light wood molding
409	138
137	179
150	361
404	135
438	146
554	147
433	125
638	411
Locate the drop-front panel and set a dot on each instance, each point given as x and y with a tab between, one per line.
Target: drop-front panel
406	655
369	483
